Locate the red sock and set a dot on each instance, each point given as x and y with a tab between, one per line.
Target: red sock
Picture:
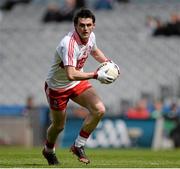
84	134
49	145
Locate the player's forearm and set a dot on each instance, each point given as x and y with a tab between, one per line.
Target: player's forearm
81	76
74	75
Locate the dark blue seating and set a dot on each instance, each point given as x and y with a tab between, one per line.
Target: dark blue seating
11	110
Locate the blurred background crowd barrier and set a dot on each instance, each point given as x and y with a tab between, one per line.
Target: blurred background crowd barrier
143	105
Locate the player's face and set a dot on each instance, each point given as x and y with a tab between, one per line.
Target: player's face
84	28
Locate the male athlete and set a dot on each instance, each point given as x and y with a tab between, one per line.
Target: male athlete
66	80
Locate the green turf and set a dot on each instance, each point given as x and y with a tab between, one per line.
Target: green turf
100	158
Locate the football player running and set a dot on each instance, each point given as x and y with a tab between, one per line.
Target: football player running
66	80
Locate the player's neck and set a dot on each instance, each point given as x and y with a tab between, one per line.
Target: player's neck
84	41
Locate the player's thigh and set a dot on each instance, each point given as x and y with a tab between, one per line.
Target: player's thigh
90	100
58	117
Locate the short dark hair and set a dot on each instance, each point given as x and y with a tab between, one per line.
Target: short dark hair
83	13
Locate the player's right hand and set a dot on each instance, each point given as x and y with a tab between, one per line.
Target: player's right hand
103	77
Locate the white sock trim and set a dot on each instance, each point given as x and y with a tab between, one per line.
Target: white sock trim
49	150
80	141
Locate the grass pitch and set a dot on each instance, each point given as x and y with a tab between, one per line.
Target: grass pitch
11	157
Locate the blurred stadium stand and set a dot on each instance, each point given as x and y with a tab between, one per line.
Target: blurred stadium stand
27	47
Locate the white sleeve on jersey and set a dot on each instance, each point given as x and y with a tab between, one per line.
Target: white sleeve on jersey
66	51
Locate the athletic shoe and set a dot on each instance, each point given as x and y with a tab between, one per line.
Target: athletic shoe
50	157
79	152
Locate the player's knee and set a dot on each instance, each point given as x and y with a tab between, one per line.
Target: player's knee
99	110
